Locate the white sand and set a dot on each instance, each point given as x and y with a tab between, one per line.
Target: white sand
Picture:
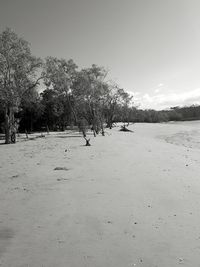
131	199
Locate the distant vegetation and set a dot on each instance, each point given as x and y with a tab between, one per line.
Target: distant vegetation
67	96
185	113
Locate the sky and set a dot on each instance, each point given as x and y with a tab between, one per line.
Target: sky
150	47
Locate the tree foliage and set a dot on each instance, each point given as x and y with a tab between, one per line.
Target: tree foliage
18	69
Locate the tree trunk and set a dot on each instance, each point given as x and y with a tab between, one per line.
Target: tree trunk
31	123
94	131
72	109
10	133
7	128
26	134
102	128
109	122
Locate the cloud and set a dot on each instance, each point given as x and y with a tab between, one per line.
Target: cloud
160	84
157	90
167	100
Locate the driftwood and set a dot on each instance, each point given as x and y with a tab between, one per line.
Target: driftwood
124	129
87	141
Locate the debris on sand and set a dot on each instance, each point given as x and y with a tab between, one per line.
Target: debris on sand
61	169
62	179
181	260
15	176
87	141
124	129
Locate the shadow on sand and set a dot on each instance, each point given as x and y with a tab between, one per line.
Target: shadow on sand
6	234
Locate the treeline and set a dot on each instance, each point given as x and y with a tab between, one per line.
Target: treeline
52	94
51	110
173	114
69	95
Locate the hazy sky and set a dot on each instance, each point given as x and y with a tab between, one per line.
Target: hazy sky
151	47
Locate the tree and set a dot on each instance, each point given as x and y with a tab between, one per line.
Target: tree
124	103
114	103
18	69
90	91
30	111
56	111
119	106
59	76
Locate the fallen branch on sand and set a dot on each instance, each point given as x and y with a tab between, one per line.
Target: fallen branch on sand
124	129
87	141
61	169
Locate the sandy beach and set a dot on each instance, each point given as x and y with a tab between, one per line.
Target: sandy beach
131	199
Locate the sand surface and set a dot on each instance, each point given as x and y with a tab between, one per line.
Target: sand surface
131	199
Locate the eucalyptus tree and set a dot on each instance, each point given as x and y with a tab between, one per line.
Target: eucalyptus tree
118	105
30	111
18	73
59	75
111	109
125	102
90	91
56	111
